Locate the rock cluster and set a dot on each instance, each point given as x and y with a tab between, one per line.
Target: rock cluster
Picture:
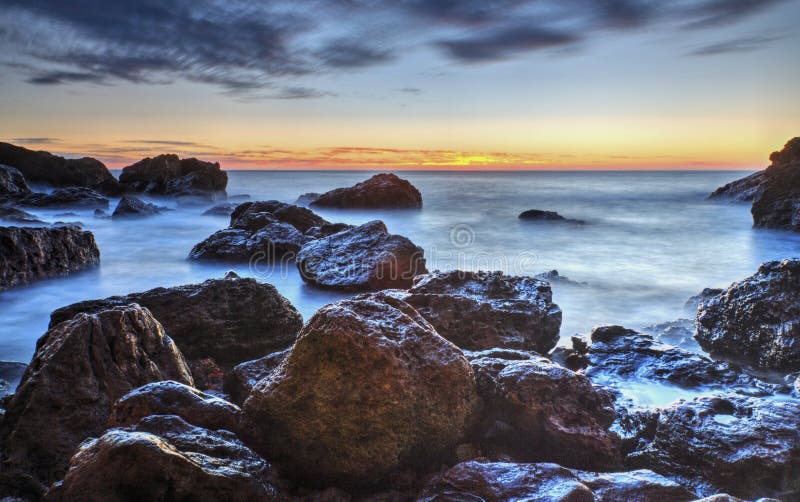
170	175
382	191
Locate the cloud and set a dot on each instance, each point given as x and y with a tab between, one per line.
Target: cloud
714	13
349	54
410	90
505	42
738	45
34	141
63	77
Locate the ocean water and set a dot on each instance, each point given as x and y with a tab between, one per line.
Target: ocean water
650	241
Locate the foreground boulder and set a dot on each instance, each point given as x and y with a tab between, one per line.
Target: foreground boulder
756	319
548	482
539	215
382	191
132	207
368	389
364	258
80	368
74	197
230	320
29	254
171	175
483	310
747	447
12	183
778	203
535	410
165	458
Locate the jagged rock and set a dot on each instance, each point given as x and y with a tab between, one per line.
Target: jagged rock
207	374
221	209
535	410
385	190
756	319
28	254
231	320
43	167
10	374
742	190
679	333
552	276
539	215
368	388
694	302
248	216
164	458
14	215
12	183
748	447
170	175
174	398
80	368
367	257
778	203
132	207
307	198
74	197
239	382
548	482
483	310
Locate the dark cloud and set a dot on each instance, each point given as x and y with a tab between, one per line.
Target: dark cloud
64	77
746	44
410	90
505	42
349	54
714	13
34	141
299	92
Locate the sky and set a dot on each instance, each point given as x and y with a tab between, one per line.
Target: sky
404	84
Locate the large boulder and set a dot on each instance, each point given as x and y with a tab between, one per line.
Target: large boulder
778	203
364	258
28	254
756	319
43	167
548	482
80	368
369	388
165	458
747	447
483	310
132	207
12	183
535	410
385	190
231	320
73	197
170	175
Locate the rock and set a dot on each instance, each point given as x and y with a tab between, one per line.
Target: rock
12	183
80	368
170	175
307	198
756	319
14	215
131	207
539	215
548	482
367	257
207	374
679	333
10	374
552	276
29	254
43	167
248	216
174	398
748	447
221	209
778	203
382	191
230	320
239	382
75	197
618	354
101	214
483	310
164	458
369	388
693	303
742	190
535	410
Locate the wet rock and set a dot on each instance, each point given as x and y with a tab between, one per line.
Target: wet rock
231	320
694	302
174	398
221	209
385	190
756	319
43	167
80	368
239	382
74	197
539	215
170	175
13	215
367	257
132	207
10	374
552	276
164	458
248	216
679	333
12	183
535	410
548	482
29	254
368	389
483	310
207	374
742	190
778	203
747	447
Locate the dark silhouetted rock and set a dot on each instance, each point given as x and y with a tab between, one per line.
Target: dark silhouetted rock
170	175
29	254
483	310
742	190
13	215
756	319
165	458
369	388
80	368
221	209
239	381
248	216
535	410
12	183
132	207
75	197
231	319
384	190
777	205
539	215
363	258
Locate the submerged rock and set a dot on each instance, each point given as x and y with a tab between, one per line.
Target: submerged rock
75	197
29	254
363	258
221	209
756	319
385	190
171	175
231	319
165	458
368	389
12	183
483	310
132	207
307	198
14	215
80	368
239	382
539	215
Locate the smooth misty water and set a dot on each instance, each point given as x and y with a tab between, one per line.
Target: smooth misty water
651	241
